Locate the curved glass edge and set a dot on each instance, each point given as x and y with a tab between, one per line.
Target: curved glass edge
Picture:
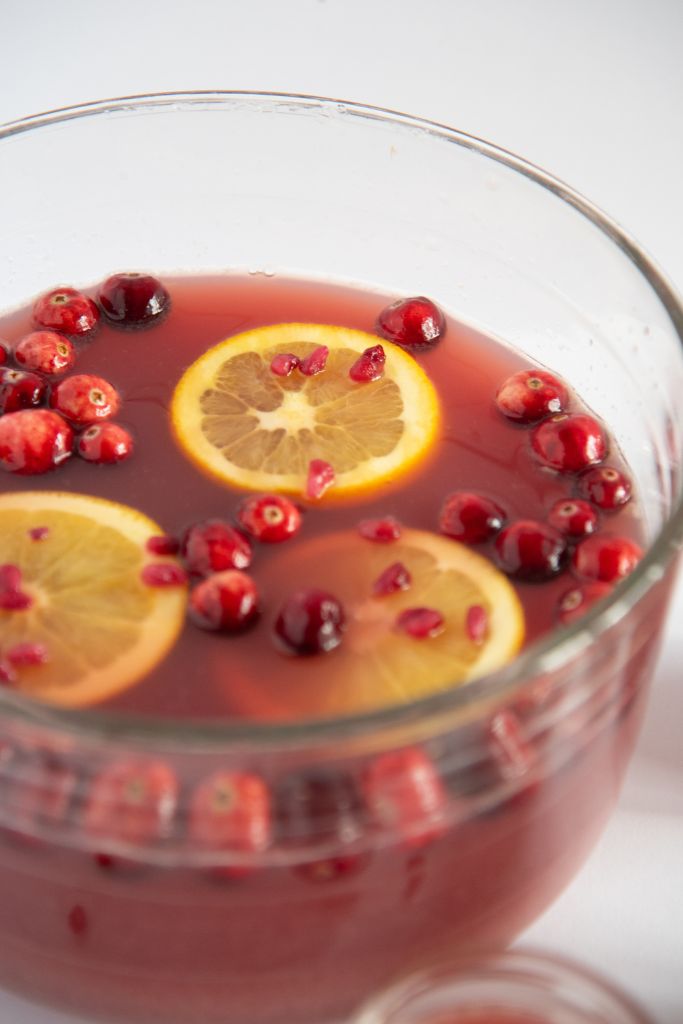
548	654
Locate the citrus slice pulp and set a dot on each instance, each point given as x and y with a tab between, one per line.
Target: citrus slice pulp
377	664
252	429
80	560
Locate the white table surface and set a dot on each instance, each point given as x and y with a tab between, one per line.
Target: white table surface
589	89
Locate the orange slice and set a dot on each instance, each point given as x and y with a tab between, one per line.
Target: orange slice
101	627
378	664
254	430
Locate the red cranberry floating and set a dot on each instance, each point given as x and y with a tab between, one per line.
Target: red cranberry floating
163	574
284	363
34	441
573	517
414	323
84	399
315	362
606	487
67	310
369	366
470	518
230	811
530	550
226	601
403	792
310	622
131	801
45	352
476	623
531	395
394	579
575	603
420	623
133	300
569	444
605	558
270	518
20	390
213	546
320	478
512	752
380	531
105	444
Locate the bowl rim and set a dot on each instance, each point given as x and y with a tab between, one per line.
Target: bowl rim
548	654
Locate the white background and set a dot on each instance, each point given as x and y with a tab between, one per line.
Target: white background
592	91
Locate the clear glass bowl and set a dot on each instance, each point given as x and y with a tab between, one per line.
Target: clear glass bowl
337	905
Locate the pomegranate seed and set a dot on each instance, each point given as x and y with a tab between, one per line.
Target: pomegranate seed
67	310
230	811
84	399
45	352
476	623
24	655
318	807
163	574
77	920
34	441
513	754
575	602
606	487
39	533
310	622
573	517
569	444
321	476
14	601
605	558
133	300
421	623
369	366
530	550
10	578
531	395
20	390
470	518
284	363
413	323
7	673
403	792
105	444
330	869
226	601
394	578
131	801
381	531
270	518
3	354
163	545
315	362
213	546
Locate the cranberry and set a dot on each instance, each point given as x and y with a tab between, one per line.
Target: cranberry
163	574
131	801
318	807
575	603
213	546
230	811
605	558
513	754
530	550
315	362
470	518
606	487
476	623
414	323
404	793
573	517
420	623
284	363
46	352
531	395
569	444
67	310
369	366
394	579
133	300
34	441
84	399
381	531
20	390
226	601
105	444
163	545
320	478
270	518
310	622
